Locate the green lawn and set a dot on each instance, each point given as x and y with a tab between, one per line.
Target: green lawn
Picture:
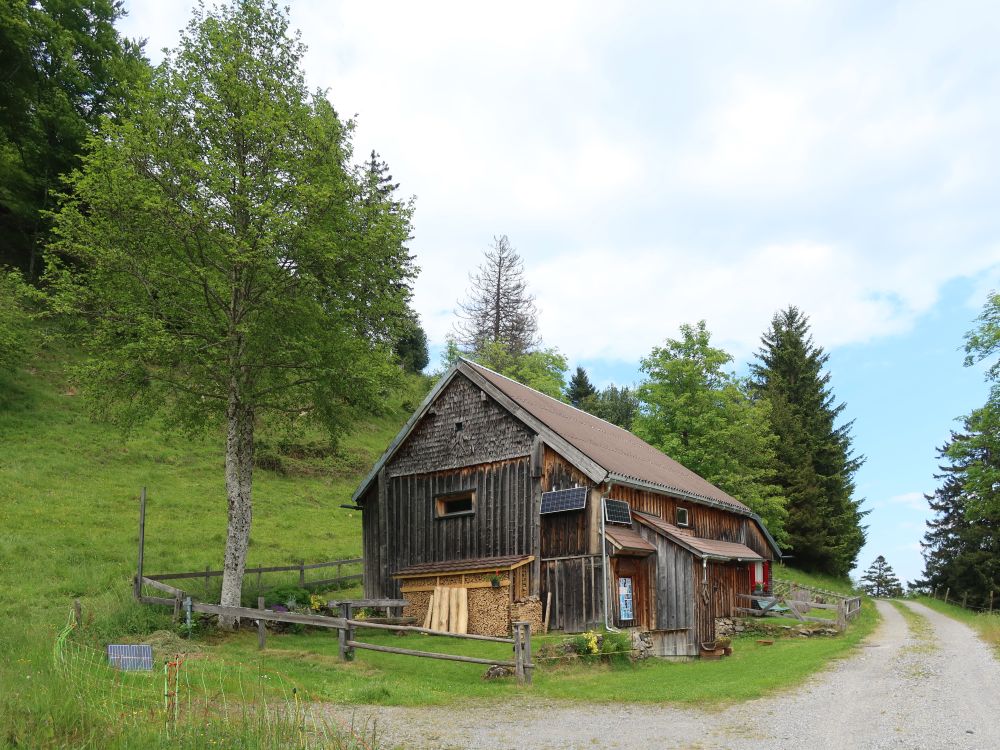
68	529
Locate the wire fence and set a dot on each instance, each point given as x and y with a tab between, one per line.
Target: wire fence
190	700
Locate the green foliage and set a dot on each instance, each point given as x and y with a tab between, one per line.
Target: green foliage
220	245
619	406
814	465
544	369
580	388
411	346
962	545
64	67
700	415
880	580
16	300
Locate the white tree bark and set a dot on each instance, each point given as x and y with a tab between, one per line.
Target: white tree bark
239	476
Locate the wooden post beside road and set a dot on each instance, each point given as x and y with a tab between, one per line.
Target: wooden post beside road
946	592
991	602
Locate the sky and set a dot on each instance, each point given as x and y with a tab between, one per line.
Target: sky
661	163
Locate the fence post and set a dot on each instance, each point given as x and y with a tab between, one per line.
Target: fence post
261	629
946	592
934	595
518	652
208	569
991	601
177	607
302	574
842	615
965	599
526	652
346	633
77	613
137	587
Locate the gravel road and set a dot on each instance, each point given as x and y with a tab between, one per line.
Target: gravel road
939	688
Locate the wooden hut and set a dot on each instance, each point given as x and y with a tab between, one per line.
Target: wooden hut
540	511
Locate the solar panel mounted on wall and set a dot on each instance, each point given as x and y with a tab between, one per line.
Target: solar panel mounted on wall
558	501
617	511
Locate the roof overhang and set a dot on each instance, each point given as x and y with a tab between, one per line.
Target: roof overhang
642	484
704	549
628	542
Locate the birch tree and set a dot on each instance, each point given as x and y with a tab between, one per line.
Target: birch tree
230	261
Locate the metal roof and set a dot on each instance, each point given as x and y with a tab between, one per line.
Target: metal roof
708	548
627	540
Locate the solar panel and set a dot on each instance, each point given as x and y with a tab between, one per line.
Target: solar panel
617	511
558	501
130	656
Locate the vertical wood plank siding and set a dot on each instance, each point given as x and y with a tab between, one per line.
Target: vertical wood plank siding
725	580
576	587
414	534
710	523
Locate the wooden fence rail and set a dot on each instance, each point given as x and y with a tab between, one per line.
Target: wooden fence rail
346	627
847	608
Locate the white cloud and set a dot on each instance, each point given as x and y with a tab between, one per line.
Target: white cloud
670	163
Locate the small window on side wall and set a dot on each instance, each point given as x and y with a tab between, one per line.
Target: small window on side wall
455	504
682	517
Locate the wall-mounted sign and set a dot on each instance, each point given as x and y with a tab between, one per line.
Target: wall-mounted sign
625	610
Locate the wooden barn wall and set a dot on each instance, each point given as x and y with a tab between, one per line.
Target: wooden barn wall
642	570
372	578
488	433
725	580
575	585
707	522
501	524
566	533
675	584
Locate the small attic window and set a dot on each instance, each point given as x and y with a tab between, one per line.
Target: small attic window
455	504
682	517
458	426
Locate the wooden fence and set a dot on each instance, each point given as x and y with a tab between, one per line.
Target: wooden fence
347	627
339	579
790	599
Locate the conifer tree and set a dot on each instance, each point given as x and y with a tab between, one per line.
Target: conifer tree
699	414
579	388
961	547
498	309
815	464
880	580
619	406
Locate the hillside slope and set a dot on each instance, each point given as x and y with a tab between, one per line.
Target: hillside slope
68	507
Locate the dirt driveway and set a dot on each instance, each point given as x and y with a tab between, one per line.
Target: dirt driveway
902	689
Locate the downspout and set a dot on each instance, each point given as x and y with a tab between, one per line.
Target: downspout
604	565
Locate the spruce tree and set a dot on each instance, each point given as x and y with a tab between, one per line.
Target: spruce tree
961	547
880	580
498	310
579	388
619	406
814	464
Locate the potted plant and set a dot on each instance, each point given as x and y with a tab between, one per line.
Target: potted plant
495	580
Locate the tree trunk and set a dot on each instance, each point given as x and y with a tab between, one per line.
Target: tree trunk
239	483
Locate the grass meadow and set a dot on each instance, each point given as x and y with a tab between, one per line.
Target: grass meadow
69	492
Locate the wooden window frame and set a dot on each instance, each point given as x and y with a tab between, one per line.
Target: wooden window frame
441	502
687	517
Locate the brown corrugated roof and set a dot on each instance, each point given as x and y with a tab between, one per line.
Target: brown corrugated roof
616	450
698	545
474	565
628	540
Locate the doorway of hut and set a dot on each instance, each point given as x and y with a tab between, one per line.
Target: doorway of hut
630	588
